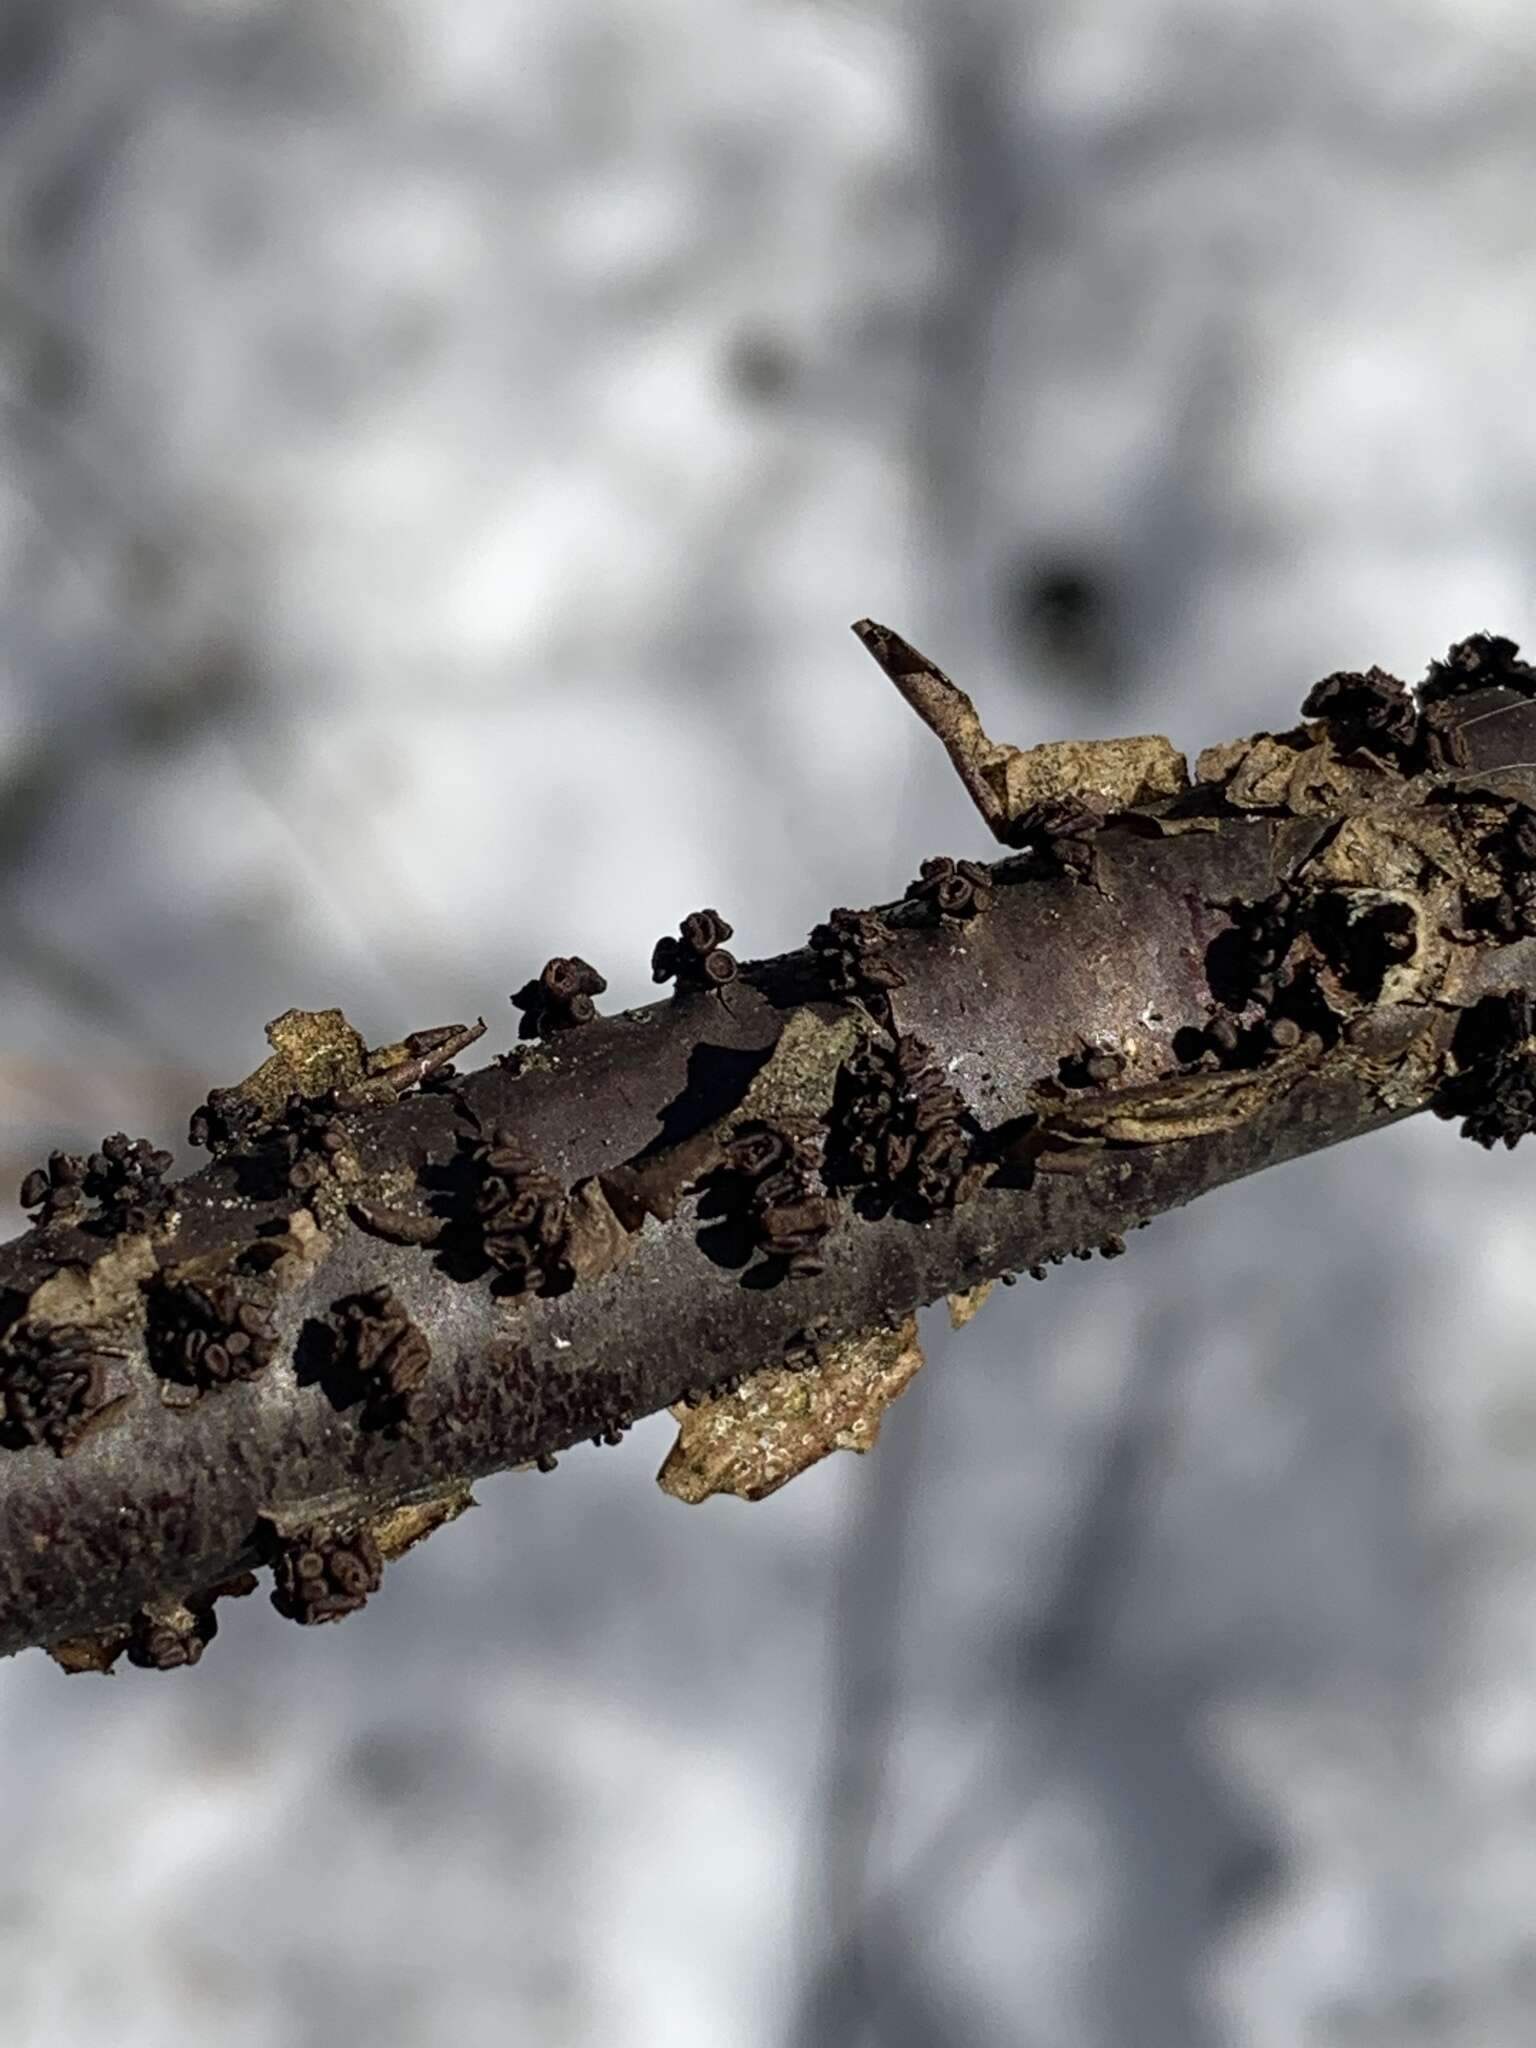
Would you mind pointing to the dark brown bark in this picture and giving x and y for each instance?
(302, 1355)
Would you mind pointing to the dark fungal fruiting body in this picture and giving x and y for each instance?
(202, 1334)
(291, 1151)
(170, 1635)
(1295, 968)
(56, 1192)
(1443, 739)
(124, 1178)
(1266, 999)
(1511, 913)
(174, 1638)
(773, 1182)
(302, 1141)
(1247, 964)
(696, 958)
(1091, 1066)
(852, 950)
(380, 1360)
(1417, 731)
(1372, 710)
(521, 1218)
(228, 1121)
(161, 1643)
(901, 1136)
(1060, 832)
(560, 998)
(1494, 1089)
(58, 1382)
(950, 888)
(319, 1577)
(1483, 661)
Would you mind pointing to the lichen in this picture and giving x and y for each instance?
(970, 1302)
(1301, 772)
(313, 1051)
(781, 1421)
(402, 1528)
(105, 1291)
(598, 1239)
(1117, 775)
(799, 1078)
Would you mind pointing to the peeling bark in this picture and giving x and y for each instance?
(391, 1279)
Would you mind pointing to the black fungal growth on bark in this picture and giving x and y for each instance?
(301, 1142)
(773, 1182)
(124, 1179)
(852, 950)
(696, 958)
(951, 888)
(57, 1383)
(1246, 965)
(319, 1577)
(175, 1639)
(521, 1219)
(1060, 832)
(1484, 661)
(1271, 993)
(1373, 710)
(228, 1121)
(559, 998)
(901, 1136)
(1091, 1066)
(56, 1191)
(379, 1360)
(202, 1334)
(292, 1150)
(1511, 914)
(1495, 1092)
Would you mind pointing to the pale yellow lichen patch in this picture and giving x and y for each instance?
(1300, 772)
(1177, 1107)
(800, 1074)
(1115, 775)
(401, 1529)
(1387, 849)
(106, 1291)
(779, 1423)
(963, 1306)
(598, 1240)
(289, 1256)
(1256, 772)
(312, 1051)
(90, 1653)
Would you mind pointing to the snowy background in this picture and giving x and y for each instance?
(442, 446)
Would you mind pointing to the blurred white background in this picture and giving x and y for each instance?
(442, 445)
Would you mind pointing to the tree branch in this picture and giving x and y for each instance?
(390, 1279)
